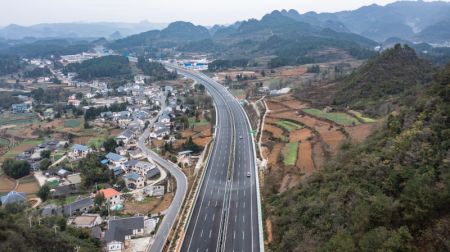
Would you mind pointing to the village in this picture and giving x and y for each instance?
(108, 185)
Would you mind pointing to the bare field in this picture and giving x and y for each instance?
(6, 184)
(275, 131)
(300, 135)
(28, 185)
(360, 132)
(304, 161)
(273, 157)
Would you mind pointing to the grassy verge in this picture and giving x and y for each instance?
(288, 125)
(337, 117)
(290, 153)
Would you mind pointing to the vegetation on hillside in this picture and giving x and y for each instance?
(46, 234)
(155, 70)
(378, 84)
(103, 67)
(9, 64)
(390, 193)
(37, 72)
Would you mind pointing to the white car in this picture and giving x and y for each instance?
(248, 174)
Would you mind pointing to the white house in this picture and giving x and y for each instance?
(116, 159)
(79, 151)
(112, 197)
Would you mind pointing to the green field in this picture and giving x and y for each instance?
(72, 123)
(202, 122)
(290, 153)
(337, 117)
(288, 125)
(360, 116)
(17, 119)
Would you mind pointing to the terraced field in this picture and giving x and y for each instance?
(304, 137)
(288, 125)
(337, 117)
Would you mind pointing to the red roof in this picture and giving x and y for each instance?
(109, 193)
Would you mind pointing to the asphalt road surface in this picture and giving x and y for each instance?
(181, 180)
(225, 214)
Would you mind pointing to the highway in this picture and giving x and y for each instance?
(171, 214)
(226, 214)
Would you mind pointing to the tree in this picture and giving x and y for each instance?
(110, 145)
(99, 199)
(45, 154)
(190, 145)
(44, 192)
(44, 164)
(16, 169)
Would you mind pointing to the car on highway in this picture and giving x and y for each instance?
(240, 137)
(248, 174)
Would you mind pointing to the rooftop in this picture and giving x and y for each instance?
(109, 192)
(119, 228)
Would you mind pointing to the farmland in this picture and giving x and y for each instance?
(337, 117)
(298, 139)
(288, 125)
(72, 123)
(290, 153)
(17, 119)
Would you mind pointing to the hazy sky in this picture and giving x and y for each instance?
(205, 12)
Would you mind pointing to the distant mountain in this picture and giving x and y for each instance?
(276, 34)
(177, 32)
(404, 19)
(436, 33)
(76, 30)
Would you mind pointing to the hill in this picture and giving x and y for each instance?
(390, 193)
(103, 67)
(291, 41)
(376, 86)
(175, 33)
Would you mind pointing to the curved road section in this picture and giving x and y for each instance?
(171, 214)
(226, 214)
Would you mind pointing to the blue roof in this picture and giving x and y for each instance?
(153, 172)
(104, 161)
(118, 170)
(80, 147)
(133, 176)
(13, 197)
(114, 157)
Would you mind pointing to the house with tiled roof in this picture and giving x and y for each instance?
(121, 230)
(134, 181)
(116, 159)
(112, 196)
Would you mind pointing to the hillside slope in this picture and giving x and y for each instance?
(390, 193)
(376, 86)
